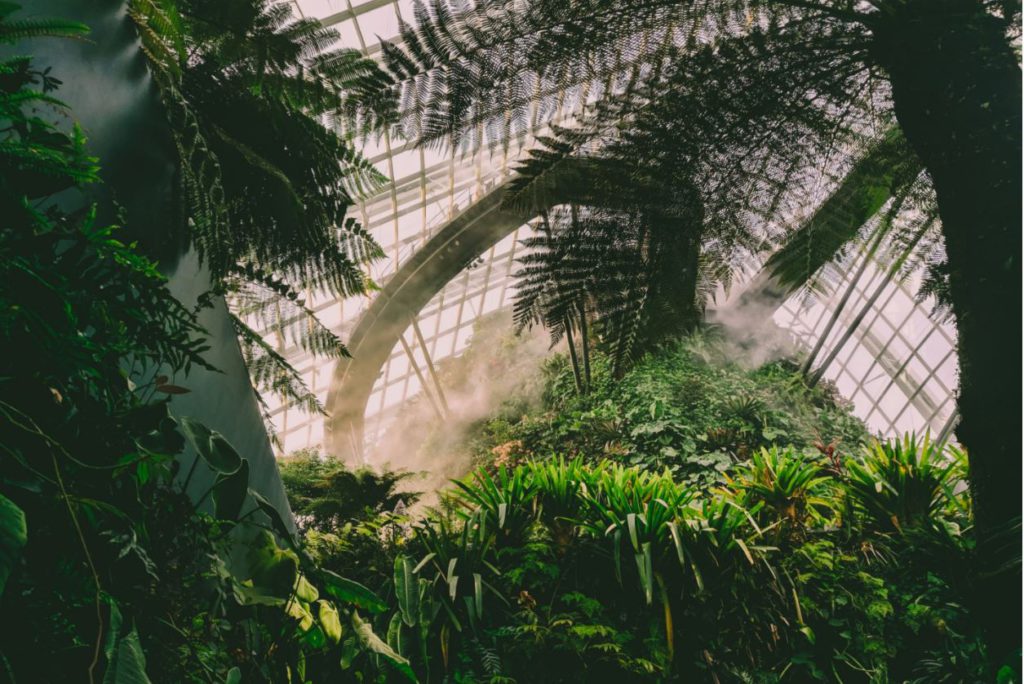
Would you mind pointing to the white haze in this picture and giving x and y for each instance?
(496, 367)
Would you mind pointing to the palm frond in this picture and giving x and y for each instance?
(887, 169)
(13, 31)
(280, 310)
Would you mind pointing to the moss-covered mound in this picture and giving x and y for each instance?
(692, 408)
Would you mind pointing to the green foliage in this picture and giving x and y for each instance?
(325, 494)
(249, 81)
(767, 104)
(904, 484)
(248, 88)
(788, 485)
(13, 536)
(632, 252)
(109, 571)
(556, 571)
(688, 407)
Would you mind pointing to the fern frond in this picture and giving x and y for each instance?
(271, 372)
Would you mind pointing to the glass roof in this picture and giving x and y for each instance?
(899, 367)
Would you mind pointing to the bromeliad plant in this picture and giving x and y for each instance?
(604, 513)
(791, 488)
(906, 483)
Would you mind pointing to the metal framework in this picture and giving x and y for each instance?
(898, 368)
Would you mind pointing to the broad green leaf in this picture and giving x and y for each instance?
(113, 632)
(426, 559)
(211, 447)
(329, 620)
(349, 650)
(406, 590)
(315, 637)
(247, 595)
(631, 525)
(297, 609)
(351, 592)
(13, 537)
(395, 635)
(128, 664)
(305, 591)
(234, 676)
(230, 491)
(276, 521)
(372, 642)
(273, 570)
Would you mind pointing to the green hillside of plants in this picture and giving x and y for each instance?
(693, 521)
(693, 408)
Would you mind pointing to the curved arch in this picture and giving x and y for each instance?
(463, 239)
(584, 180)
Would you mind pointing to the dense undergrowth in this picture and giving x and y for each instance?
(650, 551)
(108, 570)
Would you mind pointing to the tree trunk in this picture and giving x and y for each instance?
(956, 86)
(584, 343)
(572, 355)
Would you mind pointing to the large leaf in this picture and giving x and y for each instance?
(407, 590)
(373, 643)
(13, 537)
(329, 620)
(351, 592)
(273, 570)
(276, 520)
(211, 447)
(128, 663)
(230, 491)
(304, 591)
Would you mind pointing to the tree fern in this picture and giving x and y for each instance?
(250, 92)
(15, 30)
(271, 372)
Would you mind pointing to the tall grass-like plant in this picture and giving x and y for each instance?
(905, 483)
(740, 583)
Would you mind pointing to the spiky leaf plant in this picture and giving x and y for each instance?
(904, 484)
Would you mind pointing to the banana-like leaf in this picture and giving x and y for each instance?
(13, 537)
(372, 642)
(407, 590)
(352, 592)
(128, 663)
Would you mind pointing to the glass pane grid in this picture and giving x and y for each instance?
(898, 366)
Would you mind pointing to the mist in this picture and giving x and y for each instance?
(750, 336)
(499, 374)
